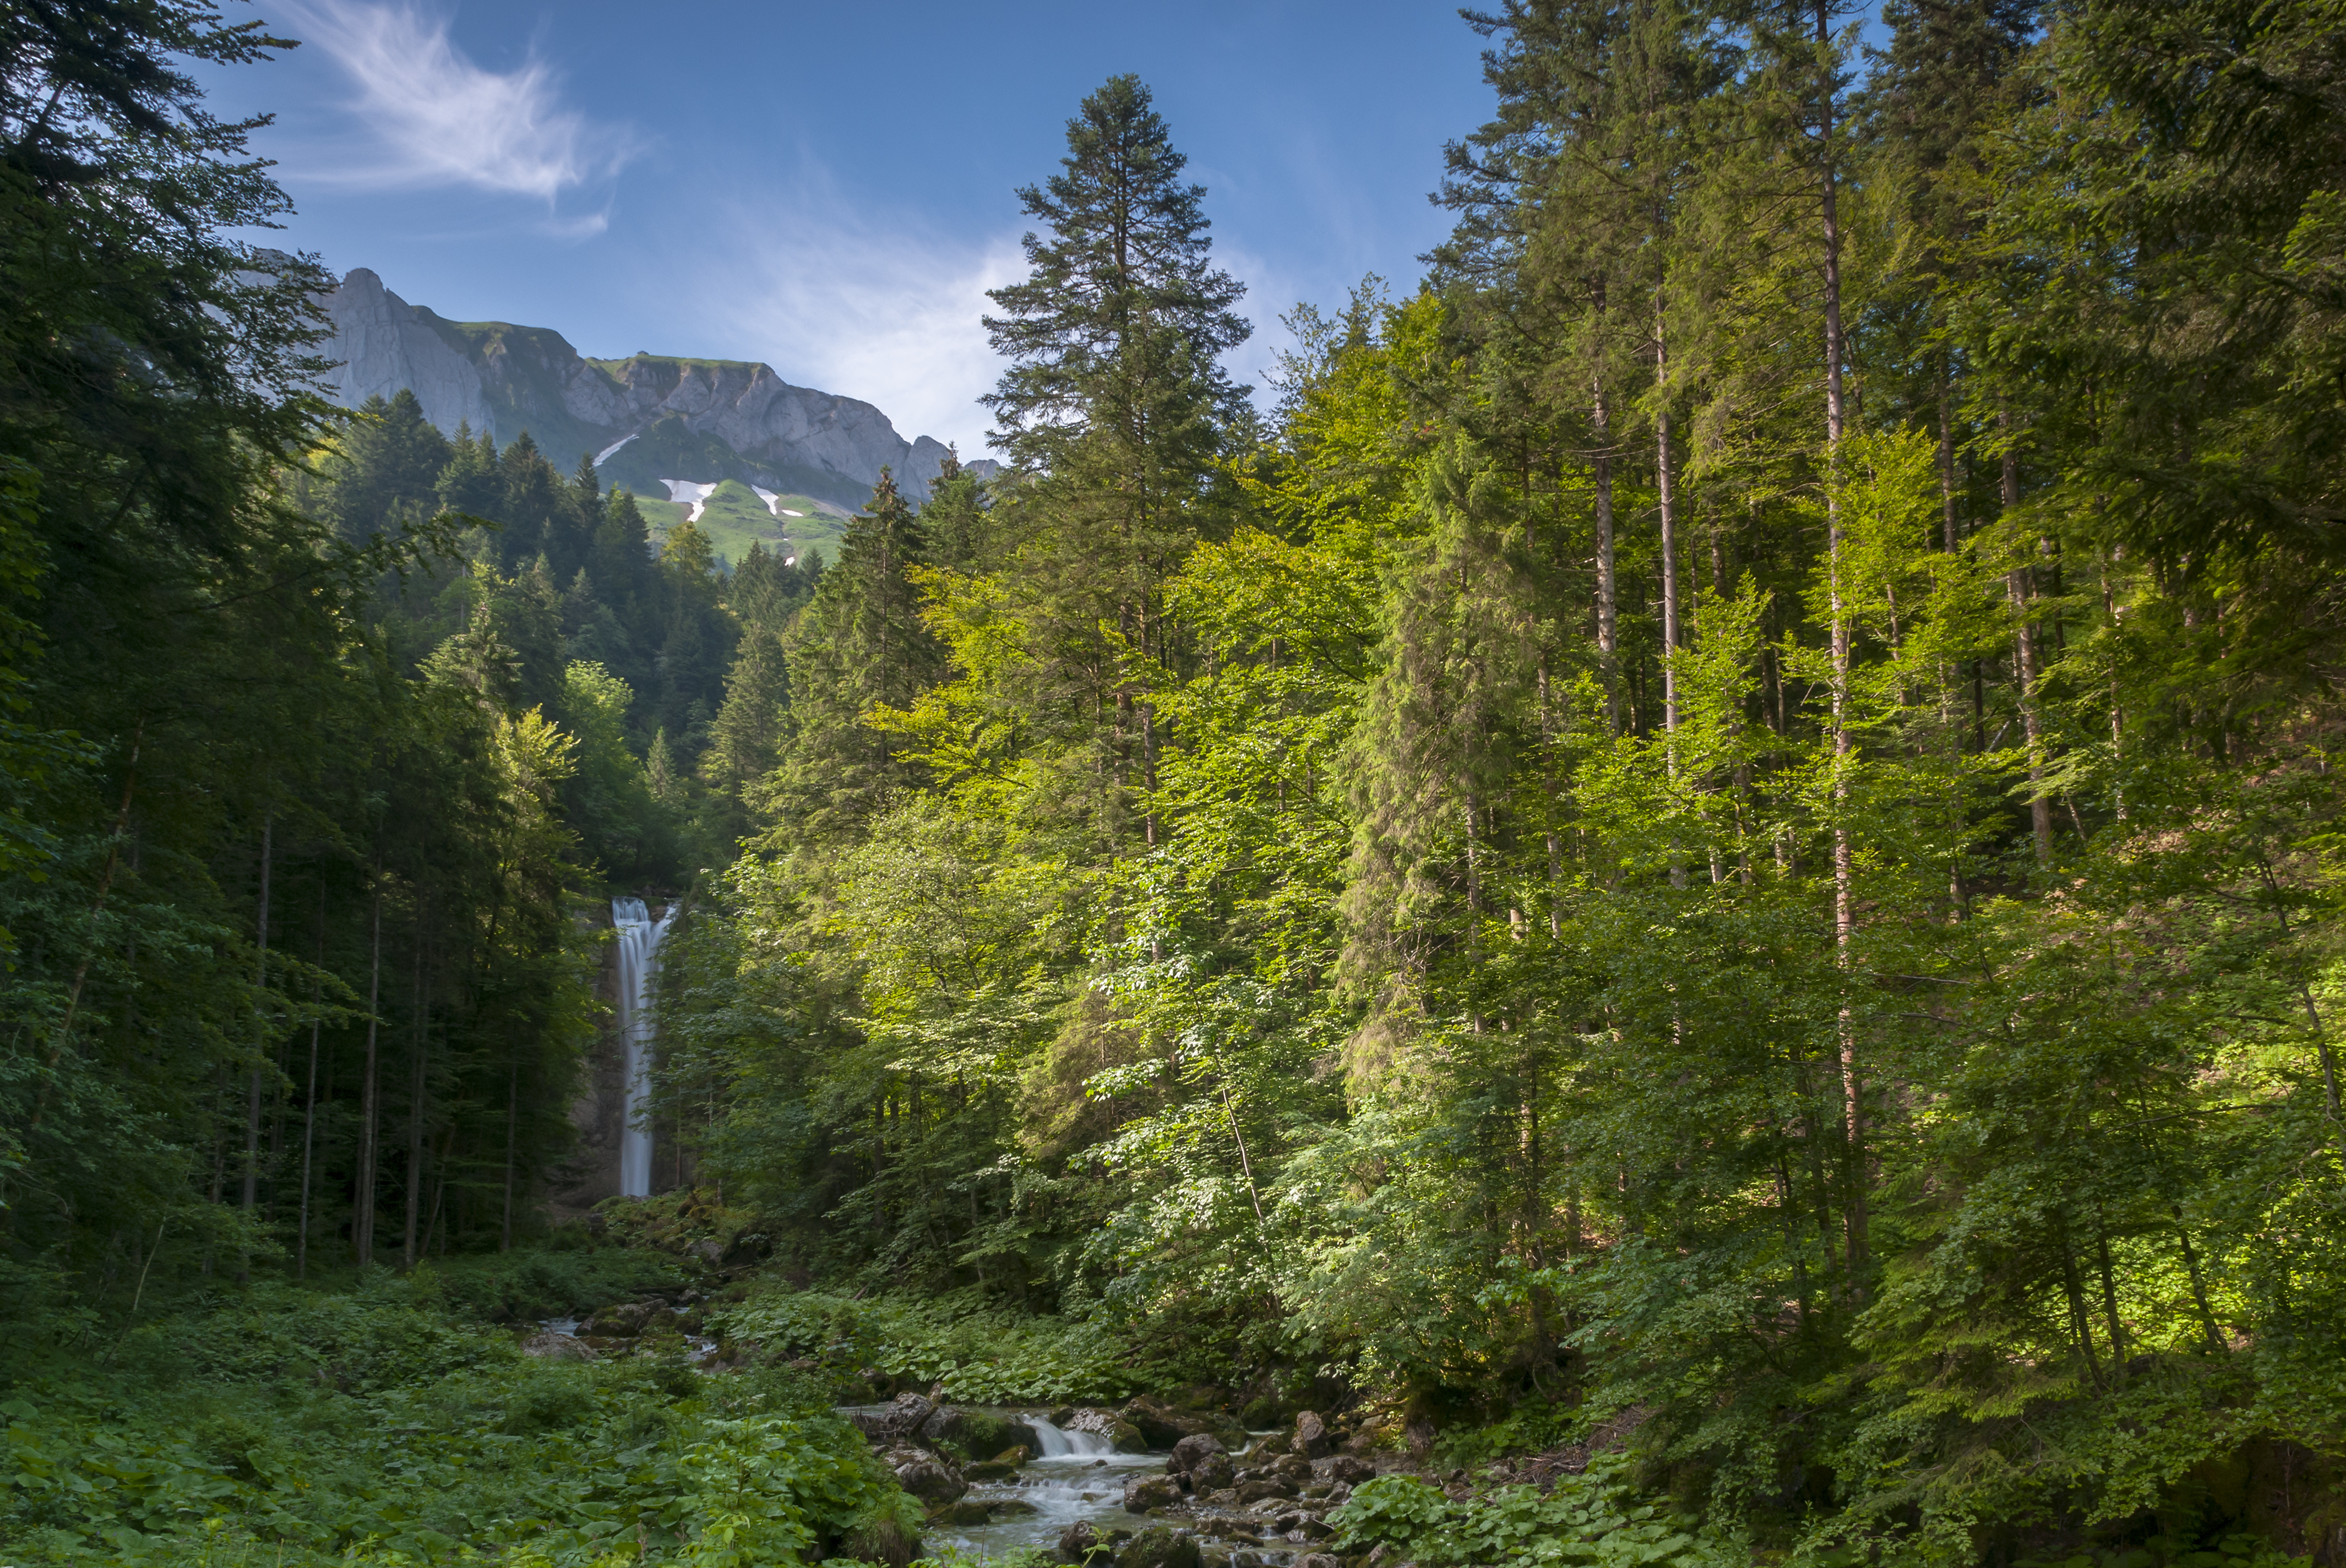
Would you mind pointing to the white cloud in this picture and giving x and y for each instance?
(890, 317)
(435, 119)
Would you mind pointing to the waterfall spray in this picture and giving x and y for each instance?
(640, 942)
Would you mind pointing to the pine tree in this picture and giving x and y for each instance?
(1115, 408)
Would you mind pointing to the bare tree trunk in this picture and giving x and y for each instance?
(1665, 481)
(2018, 592)
(1608, 628)
(310, 1103)
(418, 1088)
(1844, 857)
(362, 1197)
(1949, 534)
(513, 1127)
(260, 1023)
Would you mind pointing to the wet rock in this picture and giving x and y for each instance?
(1224, 1497)
(1293, 1469)
(624, 1321)
(1083, 1542)
(550, 1346)
(931, 1481)
(1164, 1425)
(1260, 1491)
(1312, 1436)
(1110, 1425)
(907, 1414)
(988, 1470)
(1159, 1546)
(1014, 1456)
(967, 1510)
(1014, 1508)
(1212, 1474)
(1060, 1418)
(1344, 1468)
(1189, 1450)
(1319, 1560)
(1144, 1492)
(974, 1434)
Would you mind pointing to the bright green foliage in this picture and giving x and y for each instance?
(305, 1429)
(981, 1355)
(1592, 1518)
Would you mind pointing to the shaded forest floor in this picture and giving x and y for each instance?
(395, 1419)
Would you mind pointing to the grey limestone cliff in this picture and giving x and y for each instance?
(382, 343)
(734, 419)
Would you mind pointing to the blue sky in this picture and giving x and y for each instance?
(828, 188)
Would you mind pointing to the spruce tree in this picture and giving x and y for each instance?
(1115, 409)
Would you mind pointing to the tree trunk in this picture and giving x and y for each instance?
(310, 1102)
(260, 1025)
(2018, 593)
(512, 1126)
(362, 1195)
(1667, 498)
(1608, 632)
(418, 1088)
(1845, 858)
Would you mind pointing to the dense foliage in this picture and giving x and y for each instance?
(1727, 818)
(387, 1427)
(318, 728)
(1716, 825)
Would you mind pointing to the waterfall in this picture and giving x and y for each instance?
(1057, 1444)
(640, 942)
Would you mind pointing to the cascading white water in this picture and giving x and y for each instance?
(639, 943)
(1057, 1443)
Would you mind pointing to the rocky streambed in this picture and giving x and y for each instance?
(1145, 1484)
(1142, 1486)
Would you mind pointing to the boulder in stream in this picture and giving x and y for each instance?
(549, 1346)
(1143, 1492)
(1080, 1542)
(906, 1415)
(1212, 1474)
(1125, 1437)
(1312, 1436)
(930, 1480)
(1191, 1450)
(1159, 1546)
(1165, 1425)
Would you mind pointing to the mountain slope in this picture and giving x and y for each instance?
(649, 418)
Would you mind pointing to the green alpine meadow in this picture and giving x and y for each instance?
(1680, 902)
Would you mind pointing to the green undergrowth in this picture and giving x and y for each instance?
(981, 1354)
(1601, 1520)
(1594, 1519)
(385, 1424)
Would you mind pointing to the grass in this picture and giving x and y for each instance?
(734, 519)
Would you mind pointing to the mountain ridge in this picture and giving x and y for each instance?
(646, 419)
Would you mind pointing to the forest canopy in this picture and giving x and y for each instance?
(1713, 821)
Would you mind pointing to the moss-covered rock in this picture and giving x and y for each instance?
(1159, 1546)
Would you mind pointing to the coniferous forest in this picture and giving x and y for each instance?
(1683, 902)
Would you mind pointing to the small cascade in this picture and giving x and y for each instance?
(639, 943)
(1057, 1444)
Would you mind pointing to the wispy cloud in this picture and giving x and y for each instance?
(891, 315)
(435, 119)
